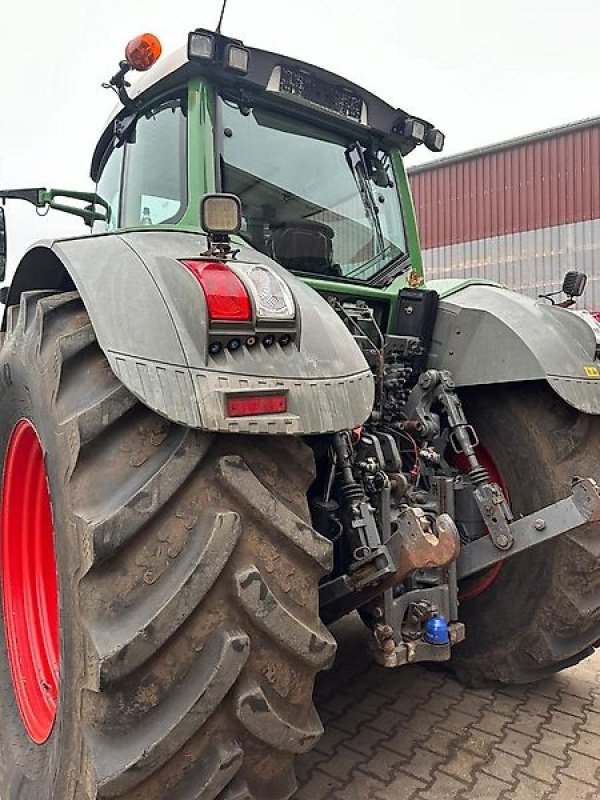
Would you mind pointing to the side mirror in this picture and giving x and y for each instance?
(2, 245)
(574, 283)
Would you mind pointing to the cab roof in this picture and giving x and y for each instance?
(272, 79)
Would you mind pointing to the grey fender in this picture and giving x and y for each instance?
(485, 335)
(150, 318)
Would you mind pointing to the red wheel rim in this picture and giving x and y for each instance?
(479, 584)
(29, 582)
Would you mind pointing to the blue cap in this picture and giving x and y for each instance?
(436, 631)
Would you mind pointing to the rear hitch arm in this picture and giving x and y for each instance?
(582, 507)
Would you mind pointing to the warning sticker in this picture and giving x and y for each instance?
(592, 372)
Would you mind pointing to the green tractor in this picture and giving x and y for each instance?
(236, 412)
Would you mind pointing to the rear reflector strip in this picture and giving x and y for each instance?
(250, 406)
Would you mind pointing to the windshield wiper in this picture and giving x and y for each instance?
(378, 256)
(360, 172)
(390, 271)
(396, 267)
(323, 276)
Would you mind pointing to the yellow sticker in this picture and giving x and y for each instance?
(592, 372)
(415, 280)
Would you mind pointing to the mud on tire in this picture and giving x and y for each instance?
(188, 575)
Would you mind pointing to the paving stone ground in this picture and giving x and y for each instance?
(417, 734)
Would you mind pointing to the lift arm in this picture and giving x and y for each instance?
(581, 507)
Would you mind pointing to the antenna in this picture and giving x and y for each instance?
(223, 7)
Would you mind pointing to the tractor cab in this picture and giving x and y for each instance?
(315, 160)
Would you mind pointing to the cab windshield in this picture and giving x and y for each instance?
(312, 201)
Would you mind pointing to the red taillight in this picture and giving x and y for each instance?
(250, 406)
(226, 296)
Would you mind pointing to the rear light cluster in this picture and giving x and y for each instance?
(236, 297)
(228, 297)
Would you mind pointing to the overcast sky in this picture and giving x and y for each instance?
(481, 71)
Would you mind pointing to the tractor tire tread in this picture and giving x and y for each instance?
(195, 687)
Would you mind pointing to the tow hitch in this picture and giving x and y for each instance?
(413, 625)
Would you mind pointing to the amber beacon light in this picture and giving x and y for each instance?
(143, 51)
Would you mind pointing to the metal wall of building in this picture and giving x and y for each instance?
(521, 213)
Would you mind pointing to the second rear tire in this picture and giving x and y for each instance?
(541, 614)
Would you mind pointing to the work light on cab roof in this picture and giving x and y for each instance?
(207, 46)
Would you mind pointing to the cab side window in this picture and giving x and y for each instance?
(109, 188)
(154, 190)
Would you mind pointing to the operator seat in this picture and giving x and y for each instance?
(305, 246)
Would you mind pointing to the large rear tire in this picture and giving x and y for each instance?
(542, 611)
(188, 588)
